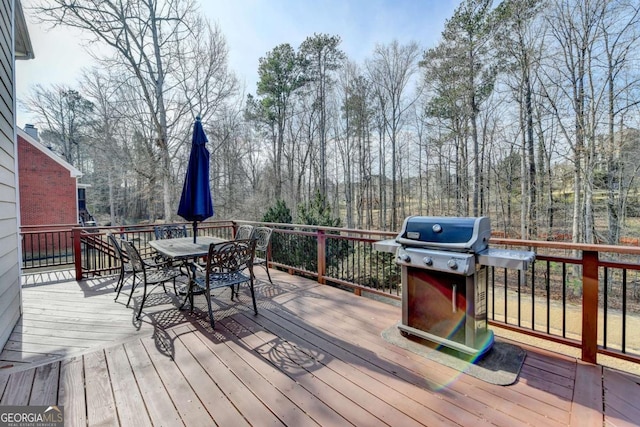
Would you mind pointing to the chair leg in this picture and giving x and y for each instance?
(266, 267)
(120, 280)
(190, 296)
(144, 298)
(253, 297)
(133, 288)
(208, 297)
(119, 285)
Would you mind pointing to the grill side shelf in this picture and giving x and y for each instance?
(390, 246)
(505, 258)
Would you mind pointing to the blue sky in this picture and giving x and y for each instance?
(254, 27)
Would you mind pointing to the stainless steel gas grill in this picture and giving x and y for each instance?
(444, 279)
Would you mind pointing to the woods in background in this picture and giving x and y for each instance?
(527, 111)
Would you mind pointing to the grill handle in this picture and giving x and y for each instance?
(454, 289)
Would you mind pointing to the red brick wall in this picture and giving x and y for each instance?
(47, 191)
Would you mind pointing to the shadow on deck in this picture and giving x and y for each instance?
(314, 355)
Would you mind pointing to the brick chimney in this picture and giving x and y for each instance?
(32, 131)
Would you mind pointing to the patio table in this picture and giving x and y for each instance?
(183, 249)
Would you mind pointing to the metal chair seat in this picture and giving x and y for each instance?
(161, 276)
(221, 280)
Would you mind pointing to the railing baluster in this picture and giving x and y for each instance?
(624, 311)
(533, 297)
(564, 300)
(605, 292)
(547, 284)
(519, 300)
(493, 293)
(506, 296)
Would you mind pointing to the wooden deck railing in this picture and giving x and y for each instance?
(601, 282)
(584, 296)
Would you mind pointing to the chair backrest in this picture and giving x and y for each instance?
(262, 235)
(244, 232)
(116, 246)
(134, 256)
(231, 256)
(169, 231)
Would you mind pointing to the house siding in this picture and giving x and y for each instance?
(10, 295)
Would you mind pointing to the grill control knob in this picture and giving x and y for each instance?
(405, 258)
(437, 228)
(427, 261)
(452, 264)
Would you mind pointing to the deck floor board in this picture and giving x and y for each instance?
(154, 396)
(250, 407)
(314, 355)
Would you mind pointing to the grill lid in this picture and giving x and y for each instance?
(446, 233)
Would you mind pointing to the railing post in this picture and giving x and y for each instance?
(589, 306)
(77, 251)
(322, 256)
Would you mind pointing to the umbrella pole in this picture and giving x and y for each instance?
(195, 230)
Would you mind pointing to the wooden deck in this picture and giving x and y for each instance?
(313, 356)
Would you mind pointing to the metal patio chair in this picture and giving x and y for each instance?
(169, 231)
(151, 275)
(244, 232)
(262, 236)
(225, 265)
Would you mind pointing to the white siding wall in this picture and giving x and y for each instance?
(10, 296)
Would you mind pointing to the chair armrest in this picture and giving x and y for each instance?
(155, 262)
(196, 267)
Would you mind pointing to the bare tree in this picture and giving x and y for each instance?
(520, 39)
(145, 36)
(102, 89)
(322, 57)
(204, 82)
(619, 29)
(390, 70)
(574, 26)
(344, 137)
(64, 117)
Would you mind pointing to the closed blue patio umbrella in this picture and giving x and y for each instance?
(195, 201)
